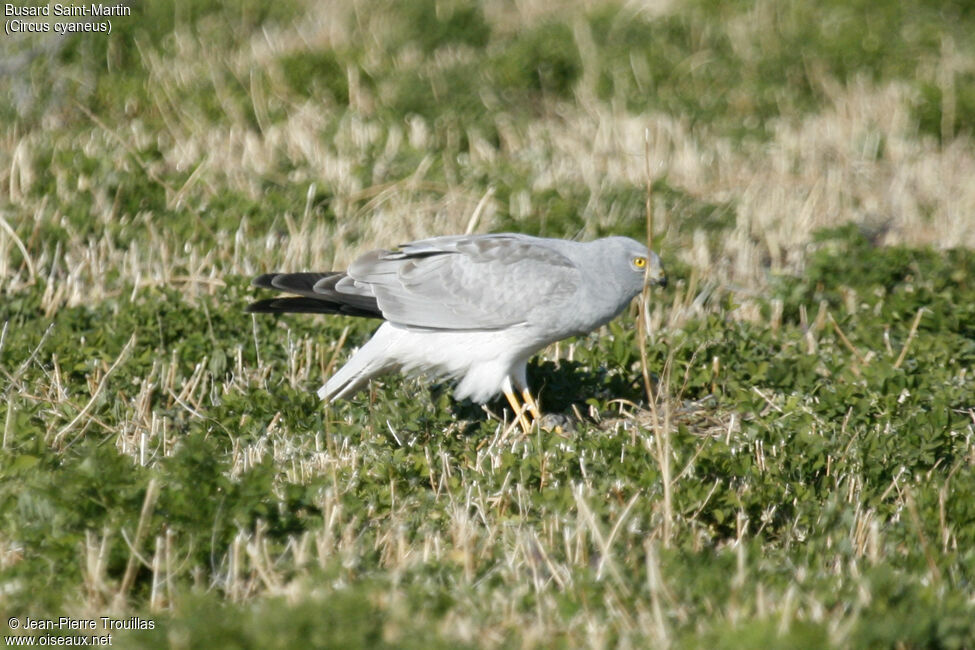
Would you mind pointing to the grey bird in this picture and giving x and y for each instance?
(470, 308)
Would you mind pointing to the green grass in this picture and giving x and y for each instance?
(800, 477)
(827, 447)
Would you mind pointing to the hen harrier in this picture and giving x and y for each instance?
(469, 308)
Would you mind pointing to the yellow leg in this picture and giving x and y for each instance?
(519, 411)
(532, 405)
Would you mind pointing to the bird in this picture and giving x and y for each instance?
(472, 309)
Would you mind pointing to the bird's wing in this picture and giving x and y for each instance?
(318, 296)
(477, 282)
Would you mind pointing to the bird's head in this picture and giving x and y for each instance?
(643, 262)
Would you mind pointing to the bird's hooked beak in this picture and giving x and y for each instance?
(655, 272)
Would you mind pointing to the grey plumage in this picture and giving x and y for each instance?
(473, 308)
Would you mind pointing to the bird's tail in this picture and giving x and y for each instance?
(369, 361)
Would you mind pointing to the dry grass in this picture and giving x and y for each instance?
(861, 160)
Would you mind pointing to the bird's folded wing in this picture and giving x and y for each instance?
(317, 296)
(465, 283)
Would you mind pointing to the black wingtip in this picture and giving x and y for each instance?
(264, 281)
(262, 307)
(301, 305)
(316, 295)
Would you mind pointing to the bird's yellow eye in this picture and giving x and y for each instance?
(640, 262)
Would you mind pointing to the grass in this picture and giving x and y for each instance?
(800, 476)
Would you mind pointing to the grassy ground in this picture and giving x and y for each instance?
(802, 476)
